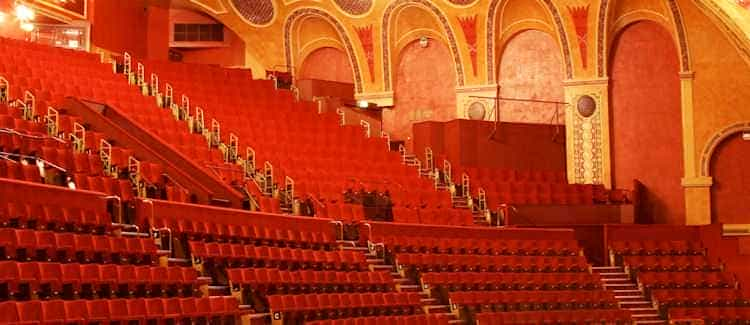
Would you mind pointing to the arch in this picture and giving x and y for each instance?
(309, 11)
(560, 29)
(730, 180)
(645, 119)
(326, 63)
(603, 33)
(710, 148)
(530, 66)
(450, 35)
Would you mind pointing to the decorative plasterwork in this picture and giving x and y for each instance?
(385, 36)
(365, 38)
(255, 12)
(354, 7)
(587, 142)
(469, 27)
(304, 12)
(462, 3)
(215, 7)
(491, 20)
(580, 17)
(716, 140)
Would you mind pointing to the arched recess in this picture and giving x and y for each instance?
(612, 18)
(531, 67)
(294, 53)
(645, 119)
(326, 63)
(505, 18)
(438, 17)
(424, 89)
(730, 192)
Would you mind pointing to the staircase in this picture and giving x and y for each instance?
(629, 295)
(401, 282)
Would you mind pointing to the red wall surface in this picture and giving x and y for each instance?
(730, 194)
(531, 67)
(425, 89)
(514, 145)
(329, 64)
(120, 26)
(646, 119)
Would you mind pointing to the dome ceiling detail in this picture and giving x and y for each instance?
(257, 12)
(356, 7)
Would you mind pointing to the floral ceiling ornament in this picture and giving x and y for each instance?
(580, 21)
(365, 38)
(256, 12)
(469, 26)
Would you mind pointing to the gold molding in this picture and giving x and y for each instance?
(476, 89)
(700, 181)
(586, 82)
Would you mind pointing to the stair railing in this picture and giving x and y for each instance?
(29, 106)
(268, 178)
(105, 153)
(4, 90)
(52, 121)
(366, 126)
(78, 137)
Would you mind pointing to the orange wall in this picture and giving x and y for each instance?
(157, 38)
(731, 190)
(327, 63)
(229, 56)
(646, 119)
(531, 67)
(424, 89)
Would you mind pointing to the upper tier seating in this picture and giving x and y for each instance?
(324, 159)
(470, 263)
(271, 280)
(487, 301)
(469, 281)
(710, 315)
(52, 74)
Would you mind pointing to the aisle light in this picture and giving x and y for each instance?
(27, 26)
(24, 13)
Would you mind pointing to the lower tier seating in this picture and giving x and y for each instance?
(499, 301)
(212, 309)
(331, 306)
(387, 320)
(616, 316)
(268, 280)
(473, 281)
(711, 315)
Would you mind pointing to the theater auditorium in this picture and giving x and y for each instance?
(374, 162)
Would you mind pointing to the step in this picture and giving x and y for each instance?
(621, 285)
(614, 274)
(346, 242)
(636, 304)
(638, 297)
(365, 249)
(428, 300)
(661, 321)
(402, 281)
(375, 261)
(612, 280)
(607, 268)
(456, 321)
(626, 291)
(395, 274)
(382, 267)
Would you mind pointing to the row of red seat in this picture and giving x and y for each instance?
(538, 194)
(381, 232)
(656, 247)
(26, 203)
(488, 175)
(423, 244)
(198, 221)
(483, 263)
(429, 319)
(434, 216)
(711, 314)
(615, 316)
(53, 277)
(686, 280)
(310, 280)
(116, 310)
(249, 255)
(671, 263)
(29, 244)
(342, 301)
(668, 298)
(533, 300)
(470, 281)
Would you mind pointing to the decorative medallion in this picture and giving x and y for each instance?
(476, 111)
(256, 12)
(586, 106)
(354, 7)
